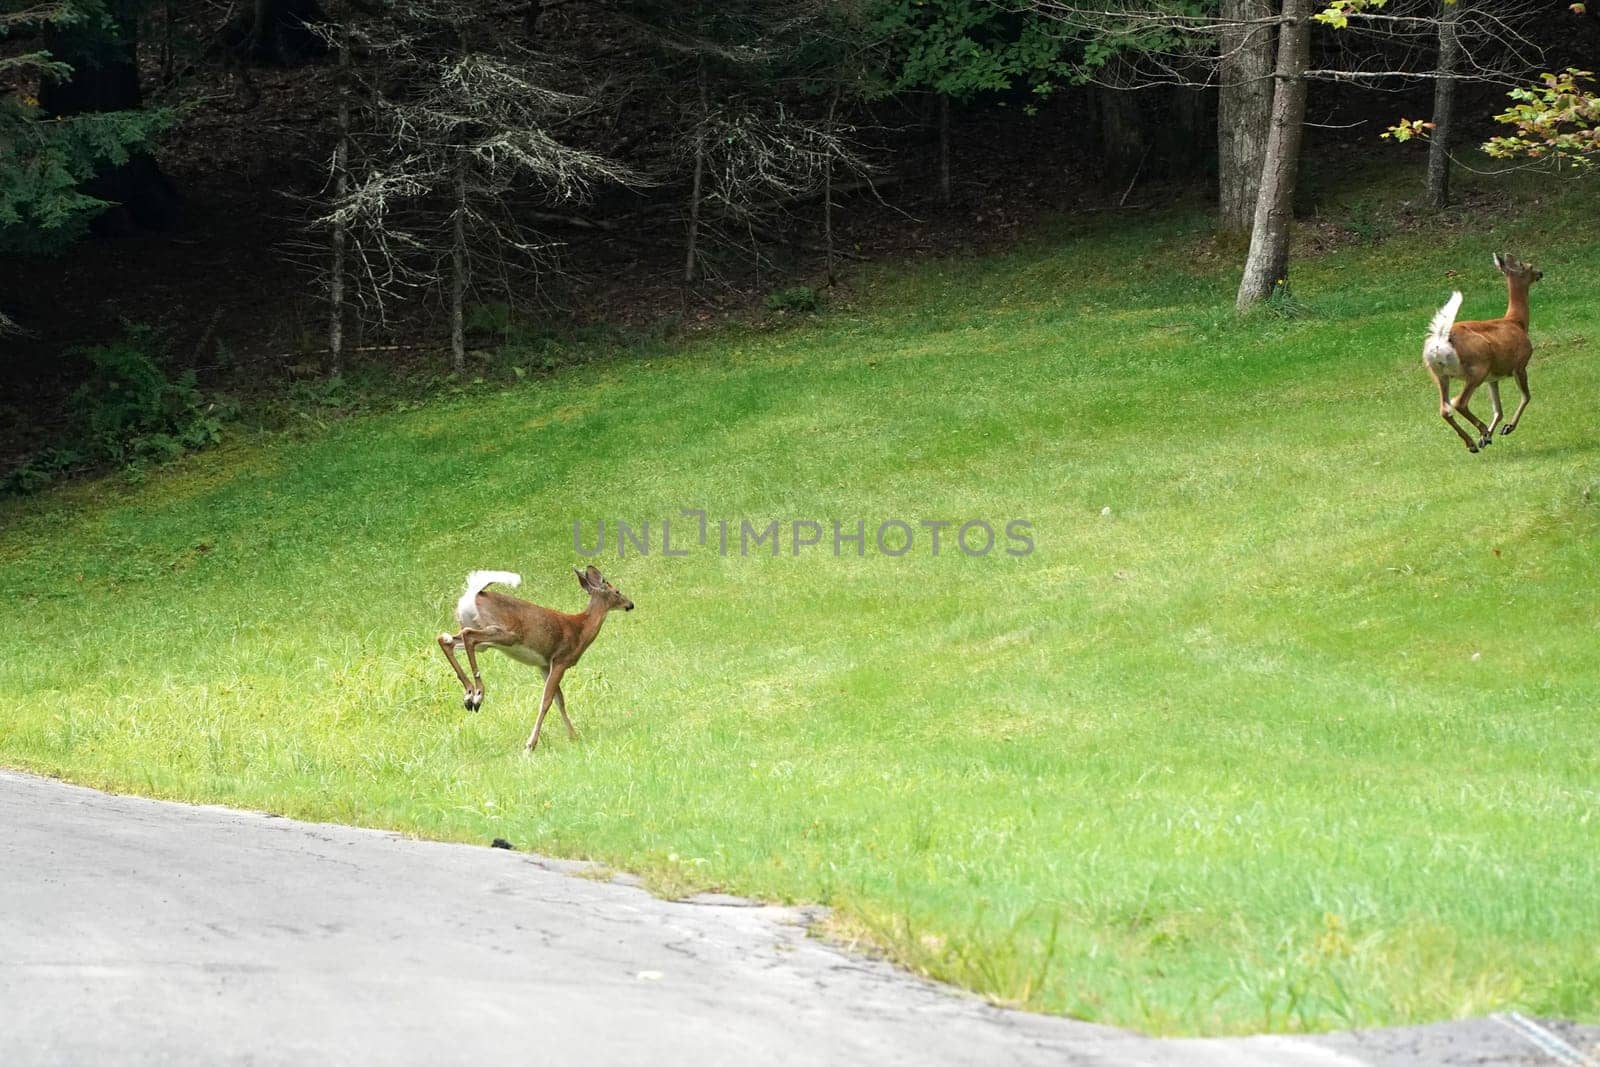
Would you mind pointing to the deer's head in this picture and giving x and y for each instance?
(591, 581)
(1522, 273)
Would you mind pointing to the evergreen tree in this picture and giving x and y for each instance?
(51, 153)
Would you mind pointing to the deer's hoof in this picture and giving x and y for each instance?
(1505, 430)
(1485, 441)
(1472, 448)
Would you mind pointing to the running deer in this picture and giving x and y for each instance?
(553, 641)
(1483, 351)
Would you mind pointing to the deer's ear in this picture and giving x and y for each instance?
(583, 582)
(593, 574)
(1499, 261)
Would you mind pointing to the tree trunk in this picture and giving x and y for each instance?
(341, 185)
(944, 147)
(690, 264)
(1444, 99)
(1268, 262)
(1244, 111)
(166, 44)
(458, 274)
(827, 189)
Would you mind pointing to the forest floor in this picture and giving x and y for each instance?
(1284, 724)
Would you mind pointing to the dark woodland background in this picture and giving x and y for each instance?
(192, 193)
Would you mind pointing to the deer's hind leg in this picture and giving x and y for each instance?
(1460, 404)
(471, 638)
(1448, 412)
(1499, 413)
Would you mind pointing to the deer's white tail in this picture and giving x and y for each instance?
(465, 610)
(1439, 329)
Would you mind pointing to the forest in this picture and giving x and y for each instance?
(206, 208)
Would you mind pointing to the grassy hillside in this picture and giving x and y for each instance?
(1300, 734)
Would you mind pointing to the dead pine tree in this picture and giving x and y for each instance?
(744, 149)
(827, 187)
(485, 132)
(341, 189)
(461, 208)
(692, 238)
(463, 132)
(763, 161)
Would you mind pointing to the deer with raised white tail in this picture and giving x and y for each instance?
(553, 641)
(1486, 350)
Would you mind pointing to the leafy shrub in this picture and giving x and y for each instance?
(40, 469)
(129, 413)
(1367, 223)
(795, 298)
(495, 319)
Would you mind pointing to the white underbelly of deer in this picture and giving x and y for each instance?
(523, 654)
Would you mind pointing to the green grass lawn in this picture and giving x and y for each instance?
(1301, 735)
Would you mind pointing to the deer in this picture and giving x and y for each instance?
(551, 640)
(1486, 350)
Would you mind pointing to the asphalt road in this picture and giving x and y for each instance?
(141, 932)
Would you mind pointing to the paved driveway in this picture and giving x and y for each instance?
(135, 931)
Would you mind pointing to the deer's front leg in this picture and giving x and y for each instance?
(1516, 416)
(1499, 413)
(552, 686)
(447, 644)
